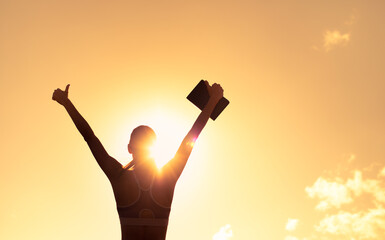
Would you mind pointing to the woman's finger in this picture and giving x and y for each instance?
(67, 87)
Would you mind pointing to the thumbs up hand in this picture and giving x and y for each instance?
(61, 96)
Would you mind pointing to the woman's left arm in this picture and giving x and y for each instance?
(176, 165)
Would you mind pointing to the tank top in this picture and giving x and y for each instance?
(145, 210)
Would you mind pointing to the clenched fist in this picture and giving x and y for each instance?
(61, 96)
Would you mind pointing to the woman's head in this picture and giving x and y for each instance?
(141, 141)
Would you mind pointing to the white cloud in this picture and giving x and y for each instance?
(370, 186)
(331, 193)
(362, 225)
(335, 38)
(224, 233)
(335, 192)
(356, 184)
(352, 208)
(291, 224)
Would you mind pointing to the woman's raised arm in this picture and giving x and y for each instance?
(109, 165)
(176, 165)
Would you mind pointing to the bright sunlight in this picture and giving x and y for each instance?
(170, 131)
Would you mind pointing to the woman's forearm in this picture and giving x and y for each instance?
(204, 116)
(80, 123)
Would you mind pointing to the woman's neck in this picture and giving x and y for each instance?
(145, 166)
(144, 175)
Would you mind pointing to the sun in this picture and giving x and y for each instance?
(162, 153)
(170, 128)
(170, 131)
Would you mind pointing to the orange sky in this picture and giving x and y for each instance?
(298, 153)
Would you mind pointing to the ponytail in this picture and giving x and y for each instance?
(130, 165)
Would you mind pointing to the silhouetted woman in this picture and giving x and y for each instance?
(143, 193)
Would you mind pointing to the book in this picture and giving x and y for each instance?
(199, 96)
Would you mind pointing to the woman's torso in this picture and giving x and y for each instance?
(143, 205)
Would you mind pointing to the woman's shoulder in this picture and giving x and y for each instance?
(126, 176)
(164, 179)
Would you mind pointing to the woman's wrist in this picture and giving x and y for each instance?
(215, 99)
(66, 102)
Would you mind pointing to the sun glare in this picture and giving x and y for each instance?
(170, 132)
(161, 154)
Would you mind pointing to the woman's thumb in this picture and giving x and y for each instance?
(67, 87)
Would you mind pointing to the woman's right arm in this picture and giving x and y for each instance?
(109, 165)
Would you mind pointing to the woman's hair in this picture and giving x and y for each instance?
(130, 165)
(142, 138)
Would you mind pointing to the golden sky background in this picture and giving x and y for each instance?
(297, 155)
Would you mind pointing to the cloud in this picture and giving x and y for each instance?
(365, 221)
(331, 193)
(224, 233)
(336, 192)
(372, 187)
(349, 208)
(335, 38)
(362, 225)
(291, 224)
